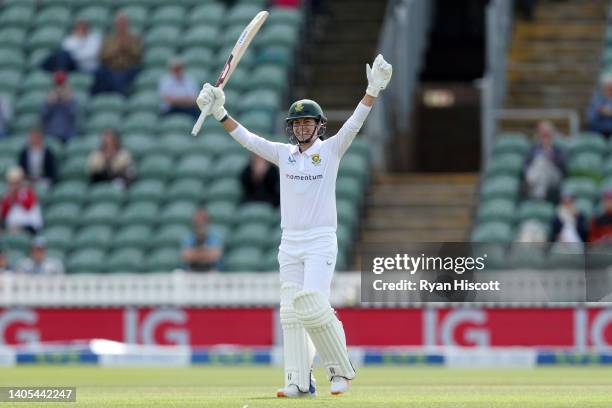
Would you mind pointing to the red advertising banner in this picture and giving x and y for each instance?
(496, 327)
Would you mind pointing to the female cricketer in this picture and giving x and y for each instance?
(307, 254)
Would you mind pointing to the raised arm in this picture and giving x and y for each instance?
(378, 76)
(256, 144)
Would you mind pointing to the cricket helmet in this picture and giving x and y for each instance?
(305, 109)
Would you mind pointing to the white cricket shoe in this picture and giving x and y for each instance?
(339, 385)
(292, 391)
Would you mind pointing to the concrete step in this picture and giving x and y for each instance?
(589, 31)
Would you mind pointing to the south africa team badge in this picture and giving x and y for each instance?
(316, 159)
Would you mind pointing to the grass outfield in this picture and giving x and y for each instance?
(237, 387)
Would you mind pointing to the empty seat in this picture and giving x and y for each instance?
(155, 167)
(146, 190)
(171, 15)
(59, 238)
(249, 234)
(163, 260)
(193, 166)
(256, 211)
(497, 210)
(69, 192)
(505, 164)
(207, 14)
(247, 259)
(133, 236)
(178, 212)
(500, 187)
(94, 236)
(62, 214)
(221, 212)
(228, 189)
(493, 232)
(542, 211)
(586, 164)
(187, 189)
(580, 187)
(100, 213)
(128, 260)
(140, 213)
(167, 36)
(106, 192)
(170, 235)
(88, 260)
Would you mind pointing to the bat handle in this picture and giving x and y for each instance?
(198, 125)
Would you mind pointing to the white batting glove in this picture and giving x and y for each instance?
(212, 98)
(378, 75)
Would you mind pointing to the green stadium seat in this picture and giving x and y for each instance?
(12, 37)
(133, 236)
(94, 236)
(173, 15)
(82, 146)
(88, 260)
(278, 34)
(36, 81)
(167, 36)
(497, 210)
(11, 146)
(278, 55)
(221, 212)
(53, 16)
(585, 206)
(106, 193)
(261, 100)
(158, 57)
(59, 238)
(207, 15)
(146, 190)
(69, 192)
(137, 14)
(170, 235)
(542, 211)
(144, 101)
(17, 16)
(141, 145)
(148, 79)
(493, 232)
(586, 164)
(285, 15)
(249, 235)
(215, 144)
(10, 79)
(74, 169)
(354, 165)
(45, 38)
(249, 259)
(163, 260)
(241, 14)
(230, 34)
(177, 212)
(256, 212)
(100, 121)
(198, 57)
(259, 3)
(500, 187)
(607, 167)
(80, 81)
(139, 213)
(155, 166)
(347, 213)
(187, 189)
(270, 77)
(227, 189)
(511, 142)
(98, 17)
(11, 59)
(194, 165)
(275, 237)
(349, 188)
(140, 122)
(201, 36)
(587, 142)
(505, 164)
(31, 102)
(220, 231)
(128, 260)
(581, 187)
(269, 261)
(176, 123)
(62, 214)
(176, 144)
(24, 122)
(361, 147)
(6, 163)
(18, 240)
(106, 103)
(100, 213)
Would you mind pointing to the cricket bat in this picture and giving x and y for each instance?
(232, 61)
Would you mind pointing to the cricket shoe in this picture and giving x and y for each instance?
(339, 385)
(292, 391)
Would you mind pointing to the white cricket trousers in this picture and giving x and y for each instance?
(309, 262)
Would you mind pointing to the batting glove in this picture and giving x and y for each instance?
(212, 99)
(378, 75)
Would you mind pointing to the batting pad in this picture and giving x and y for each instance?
(326, 332)
(298, 350)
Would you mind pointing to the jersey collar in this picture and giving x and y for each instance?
(316, 146)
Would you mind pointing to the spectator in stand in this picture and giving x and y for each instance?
(38, 263)
(6, 114)
(60, 112)
(260, 181)
(84, 46)
(599, 114)
(178, 90)
(570, 225)
(110, 162)
(601, 226)
(545, 165)
(202, 250)
(79, 51)
(38, 161)
(4, 263)
(120, 59)
(19, 208)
